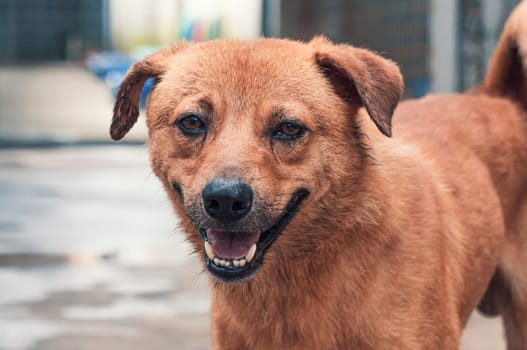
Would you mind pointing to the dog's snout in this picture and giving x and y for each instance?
(227, 200)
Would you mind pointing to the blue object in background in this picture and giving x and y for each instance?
(103, 63)
(111, 68)
(147, 89)
(418, 86)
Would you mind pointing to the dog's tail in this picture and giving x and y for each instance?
(507, 72)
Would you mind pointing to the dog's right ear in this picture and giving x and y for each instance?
(126, 109)
(361, 77)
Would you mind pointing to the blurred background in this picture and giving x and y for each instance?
(90, 253)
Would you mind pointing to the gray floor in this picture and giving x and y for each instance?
(90, 256)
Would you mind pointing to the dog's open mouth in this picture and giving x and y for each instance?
(237, 256)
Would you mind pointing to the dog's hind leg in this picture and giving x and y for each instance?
(515, 322)
(512, 296)
(504, 296)
(509, 284)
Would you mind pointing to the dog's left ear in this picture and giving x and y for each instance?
(126, 109)
(354, 72)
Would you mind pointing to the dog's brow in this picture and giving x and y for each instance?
(205, 105)
(280, 113)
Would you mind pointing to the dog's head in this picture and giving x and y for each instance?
(256, 141)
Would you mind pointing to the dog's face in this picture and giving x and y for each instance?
(255, 141)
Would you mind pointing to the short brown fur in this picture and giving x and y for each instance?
(399, 238)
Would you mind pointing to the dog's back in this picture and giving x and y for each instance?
(478, 143)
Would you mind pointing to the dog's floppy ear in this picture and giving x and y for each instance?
(355, 72)
(126, 109)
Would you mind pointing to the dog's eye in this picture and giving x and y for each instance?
(288, 131)
(191, 124)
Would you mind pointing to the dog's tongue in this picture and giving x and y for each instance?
(231, 245)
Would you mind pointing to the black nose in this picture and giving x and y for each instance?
(227, 200)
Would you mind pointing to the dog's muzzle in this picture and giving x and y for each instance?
(234, 256)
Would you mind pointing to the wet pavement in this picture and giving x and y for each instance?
(90, 257)
(90, 253)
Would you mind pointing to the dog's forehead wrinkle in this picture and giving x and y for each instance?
(245, 67)
(253, 79)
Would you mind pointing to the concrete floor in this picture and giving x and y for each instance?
(90, 257)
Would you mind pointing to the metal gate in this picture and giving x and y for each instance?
(44, 30)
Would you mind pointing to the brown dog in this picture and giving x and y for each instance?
(319, 231)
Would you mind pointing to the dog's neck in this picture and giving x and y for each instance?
(285, 289)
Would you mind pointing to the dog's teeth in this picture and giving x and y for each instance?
(250, 254)
(209, 251)
(226, 263)
(221, 262)
(239, 262)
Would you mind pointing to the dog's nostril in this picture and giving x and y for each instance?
(239, 206)
(213, 205)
